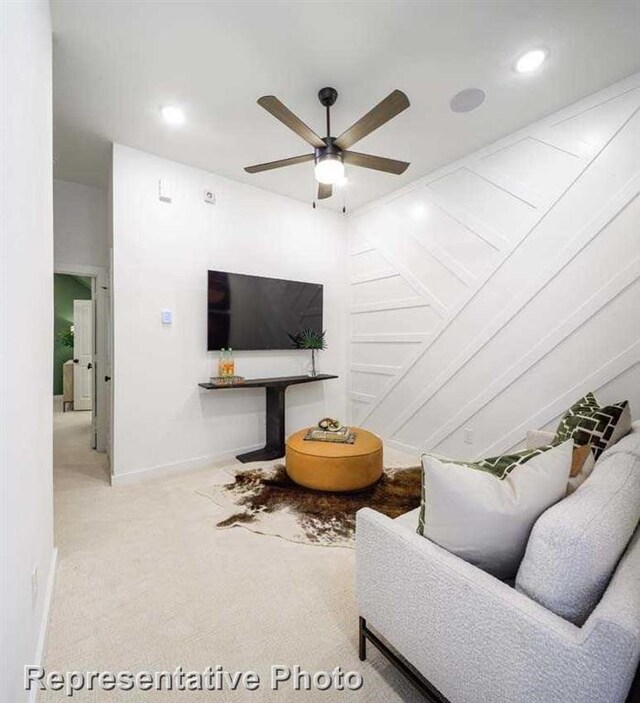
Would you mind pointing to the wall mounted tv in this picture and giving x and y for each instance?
(252, 312)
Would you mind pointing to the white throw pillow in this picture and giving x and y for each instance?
(537, 438)
(486, 520)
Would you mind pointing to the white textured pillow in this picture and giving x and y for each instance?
(575, 546)
(536, 438)
(486, 520)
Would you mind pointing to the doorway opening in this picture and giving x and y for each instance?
(73, 342)
(81, 372)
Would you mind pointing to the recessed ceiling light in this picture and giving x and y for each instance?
(172, 114)
(531, 61)
(467, 100)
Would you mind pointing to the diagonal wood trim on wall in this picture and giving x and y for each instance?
(473, 224)
(600, 299)
(628, 193)
(427, 394)
(623, 362)
(586, 157)
(402, 304)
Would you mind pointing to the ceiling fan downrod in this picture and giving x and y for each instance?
(327, 98)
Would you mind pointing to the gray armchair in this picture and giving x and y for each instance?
(474, 638)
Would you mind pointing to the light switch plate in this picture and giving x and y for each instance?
(164, 190)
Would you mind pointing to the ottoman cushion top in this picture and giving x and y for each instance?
(365, 443)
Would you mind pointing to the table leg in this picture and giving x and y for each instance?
(274, 448)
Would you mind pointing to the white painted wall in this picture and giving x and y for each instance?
(81, 236)
(26, 338)
(80, 222)
(161, 254)
(493, 293)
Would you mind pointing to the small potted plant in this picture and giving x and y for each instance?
(310, 339)
(66, 337)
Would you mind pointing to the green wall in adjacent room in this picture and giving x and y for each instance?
(66, 289)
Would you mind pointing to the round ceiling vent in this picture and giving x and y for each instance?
(467, 100)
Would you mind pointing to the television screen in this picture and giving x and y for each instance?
(252, 312)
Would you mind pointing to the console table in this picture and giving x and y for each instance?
(275, 390)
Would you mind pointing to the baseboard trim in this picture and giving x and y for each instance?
(44, 622)
(201, 462)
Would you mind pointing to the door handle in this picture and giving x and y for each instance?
(89, 365)
(107, 379)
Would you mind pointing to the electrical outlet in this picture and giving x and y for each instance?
(34, 586)
(468, 435)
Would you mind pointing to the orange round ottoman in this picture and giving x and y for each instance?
(333, 466)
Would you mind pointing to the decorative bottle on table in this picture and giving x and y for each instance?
(226, 364)
(222, 363)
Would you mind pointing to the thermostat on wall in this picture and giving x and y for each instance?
(164, 190)
(209, 196)
(166, 316)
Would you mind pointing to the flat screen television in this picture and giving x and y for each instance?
(252, 312)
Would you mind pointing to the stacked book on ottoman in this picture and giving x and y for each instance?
(329, 430)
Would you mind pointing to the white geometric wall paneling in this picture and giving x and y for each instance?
(473, 347)
(627, 360)
(572, 249)
(380, 286)
(556, 332)
(487, 241)
(619, 201)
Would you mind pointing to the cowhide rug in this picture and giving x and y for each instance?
(265, 500)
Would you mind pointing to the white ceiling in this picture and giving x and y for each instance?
(117, 63)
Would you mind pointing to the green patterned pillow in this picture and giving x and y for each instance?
(586, 422)
(498, 466)
(483, 511)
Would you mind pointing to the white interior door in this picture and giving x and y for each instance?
(82, 354)
(102, 363)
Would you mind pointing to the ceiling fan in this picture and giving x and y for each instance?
(330, 154)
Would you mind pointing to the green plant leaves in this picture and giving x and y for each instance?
(309, 339)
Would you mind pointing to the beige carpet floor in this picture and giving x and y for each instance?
(146, 582)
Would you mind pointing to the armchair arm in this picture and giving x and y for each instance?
(472, 636)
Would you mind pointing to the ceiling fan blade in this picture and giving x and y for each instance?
(391, 106)
(279, 164)
(324, 191)
(281, 112)
(378, 163)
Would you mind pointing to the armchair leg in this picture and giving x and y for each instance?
(362, 639)
(430, 692)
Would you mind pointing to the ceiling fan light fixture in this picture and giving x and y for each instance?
(329, 169)
(330, 154)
